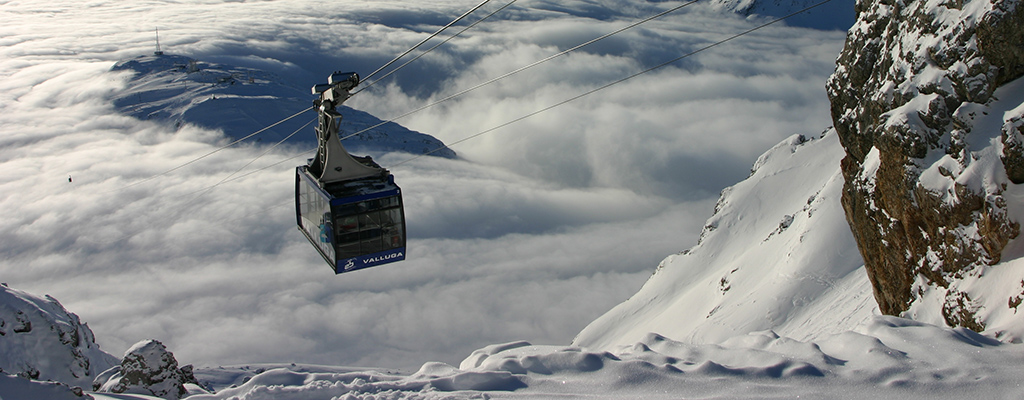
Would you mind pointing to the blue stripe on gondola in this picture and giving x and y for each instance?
(369, 260)
(355, 199)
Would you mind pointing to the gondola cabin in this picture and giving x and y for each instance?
(348, 207)
(354, 224)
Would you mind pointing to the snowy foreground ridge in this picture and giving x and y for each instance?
(886, 357)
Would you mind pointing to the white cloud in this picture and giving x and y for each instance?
(551, 222)
(726, 107)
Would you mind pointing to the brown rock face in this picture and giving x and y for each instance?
(909, 84)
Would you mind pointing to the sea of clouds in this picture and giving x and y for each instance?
(536, 230)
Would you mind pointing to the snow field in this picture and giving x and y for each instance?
(886, 357)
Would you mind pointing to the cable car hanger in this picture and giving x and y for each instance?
(349, 208)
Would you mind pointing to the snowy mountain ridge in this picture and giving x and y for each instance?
(883, 354)
(240, 101)
(777, 254)
(835, 14)
(39, 339)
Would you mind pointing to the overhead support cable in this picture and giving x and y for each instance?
(432, 48)
(659, 66)
(456, 20)
(258, 156)
(534, 64)
(656, 67)
(302, 154)
(180, 209)
(214, 151)
(592, 91)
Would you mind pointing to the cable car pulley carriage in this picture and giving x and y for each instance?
(348, 207)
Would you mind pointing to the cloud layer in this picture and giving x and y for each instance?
(540, 228)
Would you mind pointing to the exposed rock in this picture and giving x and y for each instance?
(910, 86)
(147, 368)
(1012, 158)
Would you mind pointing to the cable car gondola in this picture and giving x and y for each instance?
(348, 207)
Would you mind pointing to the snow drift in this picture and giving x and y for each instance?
(886, 356)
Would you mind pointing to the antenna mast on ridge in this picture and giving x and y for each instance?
(158, 52)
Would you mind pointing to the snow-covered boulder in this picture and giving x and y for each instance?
(41, 340)
(148, 368)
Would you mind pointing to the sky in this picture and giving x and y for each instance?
(539, 228)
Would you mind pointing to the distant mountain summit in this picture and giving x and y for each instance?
(239, 101)
(834, 15)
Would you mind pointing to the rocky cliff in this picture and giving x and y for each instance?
(926, 101)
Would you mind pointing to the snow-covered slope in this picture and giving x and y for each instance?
(240, 101)
(41, 340)
(777, 254)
